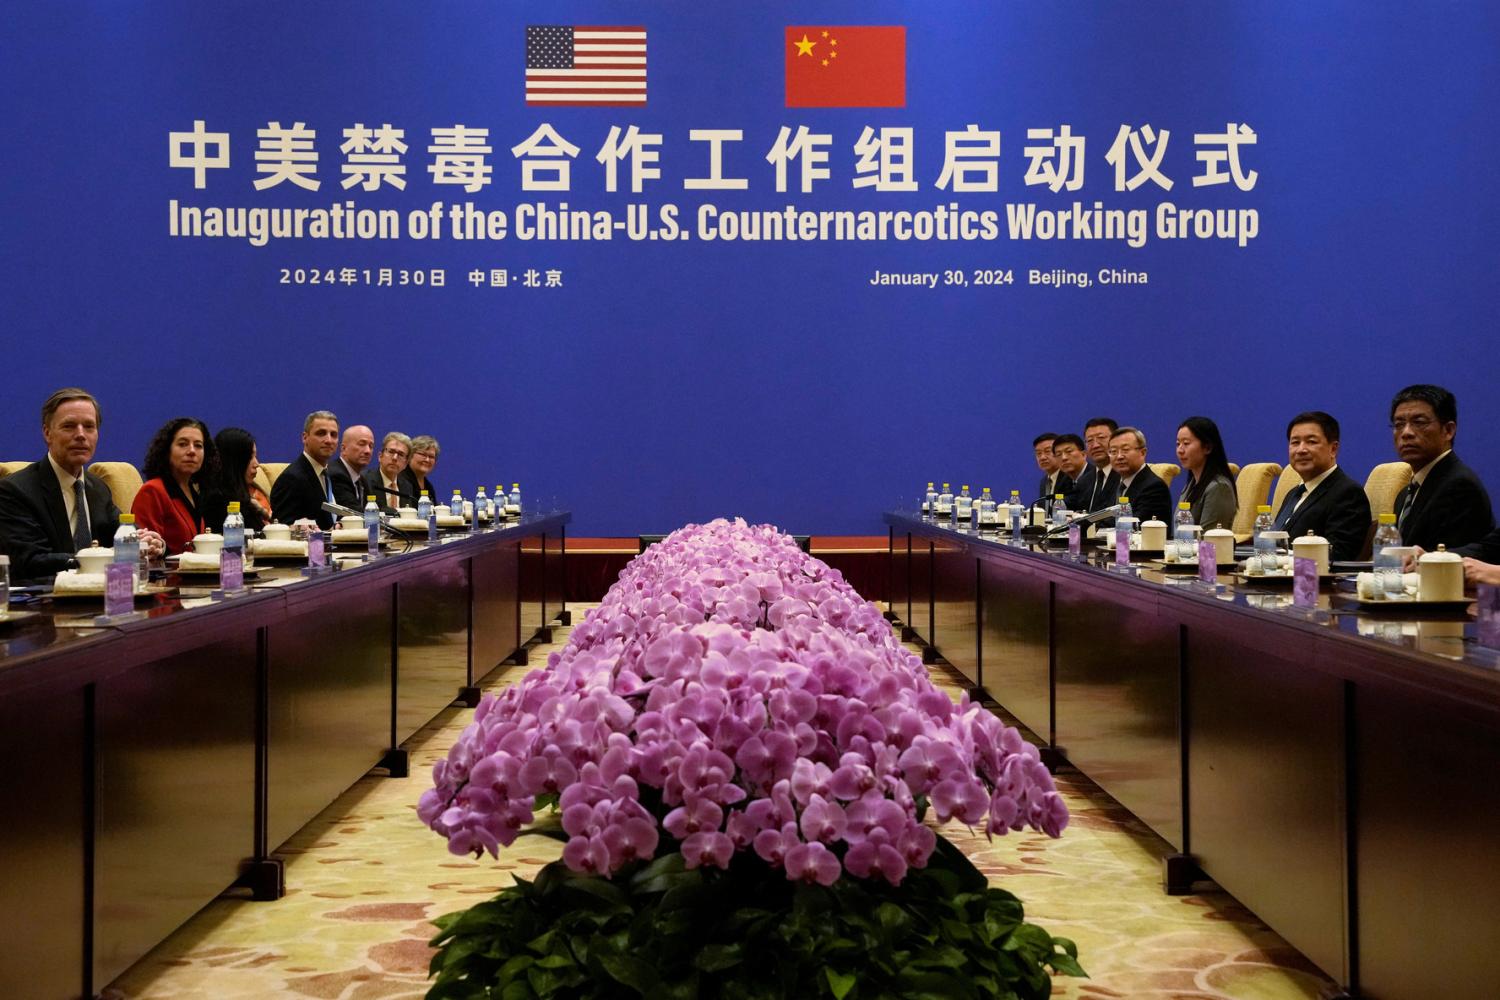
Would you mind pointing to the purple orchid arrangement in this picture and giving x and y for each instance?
(735, 694)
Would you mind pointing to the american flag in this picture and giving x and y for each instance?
(585, 65)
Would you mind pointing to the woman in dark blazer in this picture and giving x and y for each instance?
(180, 464)
(1210, 487)
(236, 482)
(415, 477)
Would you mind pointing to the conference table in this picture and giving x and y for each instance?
(1333, 767)
(151, 764)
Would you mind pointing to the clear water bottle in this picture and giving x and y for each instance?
(4, 584)
(929, 501)
(1185, 533)
(1387, 560)
(481, 505)
(963, 505)
(1017, 513)
(500, 502)
(513, 502)
(127, 545)
(424, 506)
(456, 503)
(372, 525)
(1125, 519)
(945, 502)
(1265, 545)
(234, 529)
(1059, 510)
(986, 510)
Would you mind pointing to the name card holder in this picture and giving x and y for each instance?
(119, 595)
(1075, 540)
(1488, 611)
(231, 575)
(317, 558)
(1304, 582)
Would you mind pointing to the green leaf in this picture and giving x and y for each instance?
(717, 957)
(630, 971)
(840, 983)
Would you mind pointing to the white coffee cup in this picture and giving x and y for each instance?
(406, 512)
(277, 532)
(208, 544)
(94, 559)
(351, 521)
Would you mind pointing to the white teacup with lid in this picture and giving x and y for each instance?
(1223, 540)
(277, 532)
(208, 544)
(94, 559)
(1314, 547)
(1153, 535)
(352, 522)
(409, 513)
(1440, 576)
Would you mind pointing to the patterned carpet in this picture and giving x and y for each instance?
(365, 878)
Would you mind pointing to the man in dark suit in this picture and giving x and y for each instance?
(1328, 502)
(1445, 502)
(1149, 497)
(1103, 485)
(52, 508)
(347, 471)
(1072, 464)
(1041, 446)
(303, 486)
(383, 480)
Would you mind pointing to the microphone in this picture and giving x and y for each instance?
(1102, 514)
(342, 511)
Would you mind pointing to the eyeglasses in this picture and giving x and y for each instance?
(425, 454)
(1122, 450)
(1417, 424)
(395, 452)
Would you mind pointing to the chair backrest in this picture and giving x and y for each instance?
(1234, 471)
(263, 480)
(1382, 485)
(6, 468)
(272, 470)
(123, 480)
(1166, 470)
(1251, 487)
(1284, 485)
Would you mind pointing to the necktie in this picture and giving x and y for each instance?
(1406, 507)
(81, 537)
(1289, 505)
(327, 486)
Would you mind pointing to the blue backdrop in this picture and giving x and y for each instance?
(669, 381)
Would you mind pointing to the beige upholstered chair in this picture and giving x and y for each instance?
(1383, 484)
(271, 470)
(1166, 470)
(263, 480)
(123, 480)
(1284, 485)
(1234, 471)
(1251, 487)
(6, 468)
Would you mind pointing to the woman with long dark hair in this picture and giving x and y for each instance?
(238, 463)
(1210, 486)
(181, 463)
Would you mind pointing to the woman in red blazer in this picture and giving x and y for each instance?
(179, 462)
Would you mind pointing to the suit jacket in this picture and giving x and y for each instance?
(373, 484)
(1045, 487)
(1149, 496)
(1451, 508)
(1108, 491)
(1338, 510)
(1487, 549)
(297, 494)
(155, 508)
(408, 483)
(1079, 489)
(34, 520)
(345, 491)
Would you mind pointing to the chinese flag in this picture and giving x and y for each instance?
(841, 66)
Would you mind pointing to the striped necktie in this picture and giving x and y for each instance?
(1406, 507)
(81, 537)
